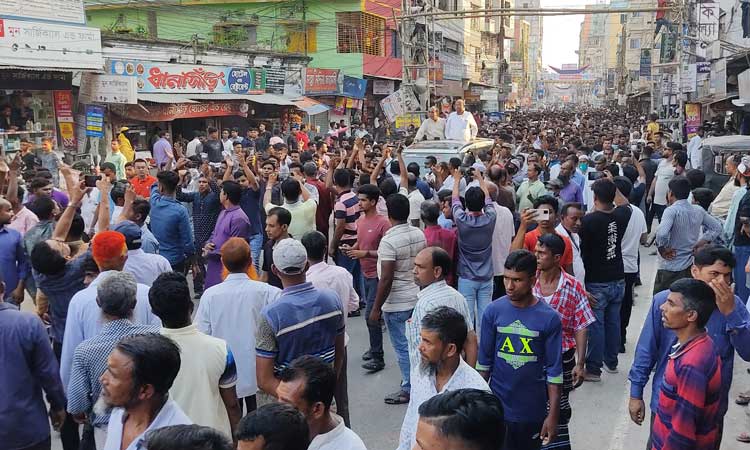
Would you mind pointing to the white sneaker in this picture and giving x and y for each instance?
(608, 370)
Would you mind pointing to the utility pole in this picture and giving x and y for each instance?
(304, 24)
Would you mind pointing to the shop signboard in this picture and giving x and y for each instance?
(68, 11)
(165, 78)
(96, 88)
(339, 109)
(94, 121)
(354, 87)
(688, 78)
(707, 20)
(63, 101)
(383, 87)
(167, 112)
(275, 80)
(692, 118)
(19, 79)
(645, 67)
(321, 81)
(38, 44)
(399, 103)
(406, 120)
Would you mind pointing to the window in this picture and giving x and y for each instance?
(451, 46)
(239, 35)
(296, 39)
(635, 75)
(636, 14)
(635, 43)
(448, 5)
(358, 32)
(395, 44)
(474, 24)
(506, 20)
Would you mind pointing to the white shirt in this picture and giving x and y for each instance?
(415, 207)
(228, 146)
(340, 438)
(502, 237)
(230, 310)
(461, 127)
(664, 174)
(694, 152)
(448, 184)
(631, 240)
(84, 320)
(579, 271)
(170, 414)
(146, 267)
(192, 147)
(423, 388)
(326, 276)
(431, 129)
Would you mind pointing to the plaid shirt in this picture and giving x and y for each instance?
(571, 304)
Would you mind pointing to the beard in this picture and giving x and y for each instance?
(426, 368)
(102, 406)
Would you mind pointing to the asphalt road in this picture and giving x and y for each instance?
(600, 415)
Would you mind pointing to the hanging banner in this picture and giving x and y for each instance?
(96, 88)
(354, 87)
(668, 44)
(645, 68)
(692, 118)
(399, 103)
(340, 108)
(168, 112)
(407, 120)
(94, 121)
(190, 79)
(383, 87)
(689, 77)
(321, 81)
(275, 80)
(63, 101)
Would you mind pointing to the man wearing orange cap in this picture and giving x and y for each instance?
(83, 321)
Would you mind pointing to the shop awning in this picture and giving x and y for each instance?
(310, 106)
(265, 99)
(165, 98)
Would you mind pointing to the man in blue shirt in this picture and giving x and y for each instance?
(729, 327)
(520, 353)
(29, 367)
(170, 222)
(13, 263)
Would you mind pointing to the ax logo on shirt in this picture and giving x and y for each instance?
(516, 345)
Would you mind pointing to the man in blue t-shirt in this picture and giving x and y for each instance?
(520, 353)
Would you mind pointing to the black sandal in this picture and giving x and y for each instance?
(398, 398)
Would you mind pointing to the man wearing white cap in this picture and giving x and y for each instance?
(303, 321)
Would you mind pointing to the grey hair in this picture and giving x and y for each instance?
(116, 294)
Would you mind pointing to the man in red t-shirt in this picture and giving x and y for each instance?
(437, 236)
(143, 180)
(528, 240)
(371, 228)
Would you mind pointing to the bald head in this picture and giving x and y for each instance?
(235, 255)
(431, 265)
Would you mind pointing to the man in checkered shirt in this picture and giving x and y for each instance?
(567, 296)
(116, 296)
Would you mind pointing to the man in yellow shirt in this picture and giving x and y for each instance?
(126, 148)
(652, 128)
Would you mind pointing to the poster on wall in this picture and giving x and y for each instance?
(63, 101)
(692, 118)
(399, 103)
(275, 80)
(383, 87)
(339, 108)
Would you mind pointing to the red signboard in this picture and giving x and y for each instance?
(321, 81)
(172, 111)
(63, 101)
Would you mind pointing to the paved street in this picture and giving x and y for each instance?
(600, 417)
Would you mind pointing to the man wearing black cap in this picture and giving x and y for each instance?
(145, 267)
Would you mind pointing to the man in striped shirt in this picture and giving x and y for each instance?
(303, 321)
(687, 416)
(346, 211)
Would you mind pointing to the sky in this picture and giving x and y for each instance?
(560, 40)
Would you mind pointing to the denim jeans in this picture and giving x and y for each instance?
(604, 334)
(352, 266)
(396, 323)
(256, 246)
(374, 330)
(742, 253)
(476, 293)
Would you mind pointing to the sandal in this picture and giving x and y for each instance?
(744, 437)
(743, 398)
(398, 398)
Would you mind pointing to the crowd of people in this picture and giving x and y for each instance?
(202, 300)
